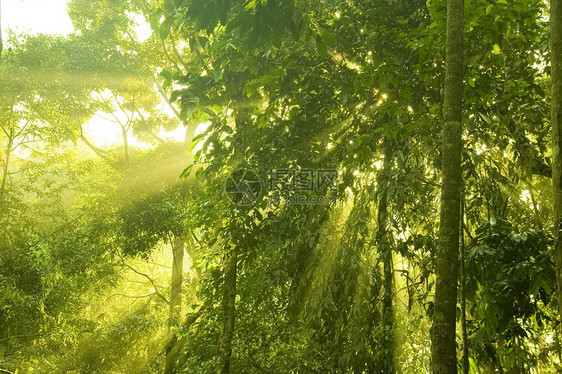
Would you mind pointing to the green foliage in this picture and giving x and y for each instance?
(511, 291)
(158, 217)
(281, 84)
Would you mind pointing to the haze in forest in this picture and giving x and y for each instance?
(281, 186)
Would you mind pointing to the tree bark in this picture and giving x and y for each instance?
(189, 127)
(1, 43)
(126, 143)
(231, 258)
(465, 361)
(177, 277)
(175, 301)
(556, 119)
(175, 346)
(5, 167)
(228, 310)
(443, 335)
(375, 366)
(384, 241)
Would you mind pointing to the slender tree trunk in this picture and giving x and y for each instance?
(383, 238)
(231, 259)
(1, 43)
(177, 277)
(465, 362)
(228, 310)
(175, 301)
(556, 66)
(189, 127)
(5, 168)
(126, 143)
(375, 365)
(558, 344)
(443, 335)
(175, 345)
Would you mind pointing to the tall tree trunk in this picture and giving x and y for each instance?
(126, 143)
(443, 336)
(5, 168)
(383, 239)
(175, 301)
(375, 365)
(556, 68)
(231, 257)
(177, 277)
(465, 361)
(175, 345)
(1, 43)
(228, 310)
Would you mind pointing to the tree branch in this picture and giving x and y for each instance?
(59, 229)
(167, 99)
(149, 279)
(133, 296)
(22, 336)
(98, 151)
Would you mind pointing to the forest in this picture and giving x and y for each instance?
(295, 187)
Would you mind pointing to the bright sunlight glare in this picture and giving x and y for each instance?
(36, 16)
(51, 17)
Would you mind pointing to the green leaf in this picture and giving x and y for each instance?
(208, 111)
(328, 37)
(165, 27)
(185, 173)
(165, 74)
(322, 49)
(177, 94)
(196, 139)
(250, 5)
(189, 111)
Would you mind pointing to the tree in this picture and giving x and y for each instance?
(296, 85)
(384, 239)
(443, 335)
(556, 120)
(1, 42)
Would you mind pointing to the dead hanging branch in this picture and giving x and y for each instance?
(98, 151)
(156, 291)
(132, 296)
(56, 231)
(22, 336)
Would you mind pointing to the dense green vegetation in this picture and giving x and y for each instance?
(361, 187)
